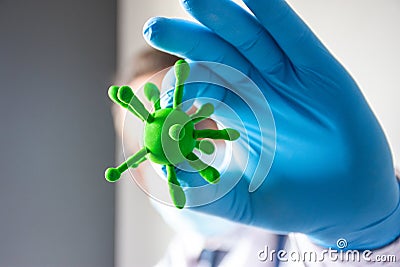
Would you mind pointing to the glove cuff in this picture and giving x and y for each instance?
(373, 236)
(380, 233)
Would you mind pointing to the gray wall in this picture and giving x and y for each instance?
(57, 58)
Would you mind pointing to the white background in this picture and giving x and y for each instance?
(363, 34)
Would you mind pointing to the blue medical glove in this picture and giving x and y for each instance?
(332, 173)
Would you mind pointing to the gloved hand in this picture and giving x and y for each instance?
(332, 173)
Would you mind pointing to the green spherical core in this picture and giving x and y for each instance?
(164, 148)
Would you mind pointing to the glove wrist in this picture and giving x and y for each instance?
(373, 236)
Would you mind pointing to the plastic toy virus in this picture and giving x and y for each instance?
(169, 134)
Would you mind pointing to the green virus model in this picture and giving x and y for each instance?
(170, 134)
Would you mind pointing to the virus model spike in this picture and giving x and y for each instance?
(152, 94)
(113, 94)
(169, 134)
(113, 174)
(224, 134)
(182, 71)
(210, 174)
(205, 146)
(175, 189)
(202, 113)
(126, 96)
